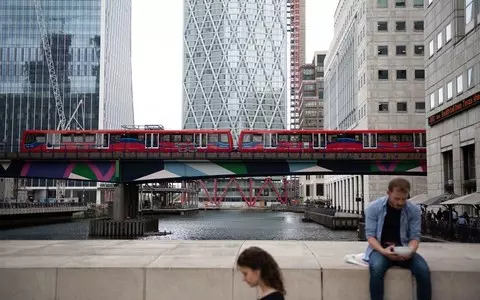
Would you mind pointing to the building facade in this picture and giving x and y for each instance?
(90, 46)
(235, 69)
(452, 63)
(297, 57)
(312, 187)
(235, 65)
(374, 79)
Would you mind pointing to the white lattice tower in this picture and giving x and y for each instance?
(235, 71)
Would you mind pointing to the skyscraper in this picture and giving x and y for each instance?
(235, 64)
(90, 50)
(374, 79)
(235, 67)
(297, 57)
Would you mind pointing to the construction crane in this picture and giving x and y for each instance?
(63, 124)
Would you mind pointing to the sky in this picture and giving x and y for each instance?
(157, 55)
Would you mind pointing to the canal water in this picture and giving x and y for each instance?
(206, 225)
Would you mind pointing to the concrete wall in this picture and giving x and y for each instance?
(112, 269)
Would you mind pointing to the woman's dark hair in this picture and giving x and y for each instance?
(256, 258)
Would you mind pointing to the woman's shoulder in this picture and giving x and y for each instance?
(274, 296)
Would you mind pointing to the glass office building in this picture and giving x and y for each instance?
(235, 64)
(91, 53)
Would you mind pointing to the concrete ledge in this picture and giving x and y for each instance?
(120, 269)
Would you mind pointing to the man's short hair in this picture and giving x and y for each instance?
(400, 184)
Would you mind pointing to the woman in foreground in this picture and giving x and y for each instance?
(260, 270)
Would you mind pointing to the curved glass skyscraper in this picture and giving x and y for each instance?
(235, 64)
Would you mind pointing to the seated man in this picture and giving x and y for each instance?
(393, 221)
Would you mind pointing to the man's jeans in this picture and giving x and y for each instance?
(379, 265)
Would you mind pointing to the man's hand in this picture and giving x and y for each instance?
(388, 252)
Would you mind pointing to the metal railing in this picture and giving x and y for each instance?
(21, 205)
(96, 152)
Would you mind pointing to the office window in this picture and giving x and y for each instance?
(382, 26)
(469, 162)
(470, 78)
(401, 106)
(448, 170)
(383, 107)
(448, 33)
(320, 189)
(399, 3)
(417, 3)
(401, 50)
(420, 107)
(419, 74)
(439, 40)
(400, 26)
(432, 101)
(401, 74)
(418, 25)
(430, 48)
(460, 84)
(419, 49)
(382, 50)
(383, 74)
(468, 11)
(382, 3)
(440, 96)
(449, 90)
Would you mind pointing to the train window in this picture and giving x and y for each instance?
(366, 140)
(332, 138)
(306, 137)
(212, 138)
(406, 138)
(394, 138)
(247, 138)
(78, 138)
(258, 138)
(90, 138)
(294, 138)
(66, 138)
(113, 138)
(224, 138)
(129, 136)
(383, 138)
(322, 140)
(187, 138)
(32, 138)
(283, 137)
(176, 138)
(166, 138)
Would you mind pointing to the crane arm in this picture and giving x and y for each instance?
(51, 67)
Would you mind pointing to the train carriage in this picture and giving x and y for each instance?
(332, 141)
(127, 141)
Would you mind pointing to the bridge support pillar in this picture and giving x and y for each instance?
(125, 203)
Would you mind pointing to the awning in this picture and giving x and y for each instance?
(419, 199)
(470, 199)
(438, 200)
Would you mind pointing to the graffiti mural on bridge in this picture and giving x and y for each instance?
(105, 171)
(154, 170)
(150, 171)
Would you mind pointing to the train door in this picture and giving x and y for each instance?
(419, 140)
(102, 140)
(53, 141)
(200, 140)
(319, 140)
(270, 140)
(151, 141)
(369, 141)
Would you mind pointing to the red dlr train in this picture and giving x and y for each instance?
(212, 141)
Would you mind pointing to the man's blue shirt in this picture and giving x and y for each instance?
(410, 222)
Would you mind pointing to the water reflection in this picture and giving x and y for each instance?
(206, 225)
